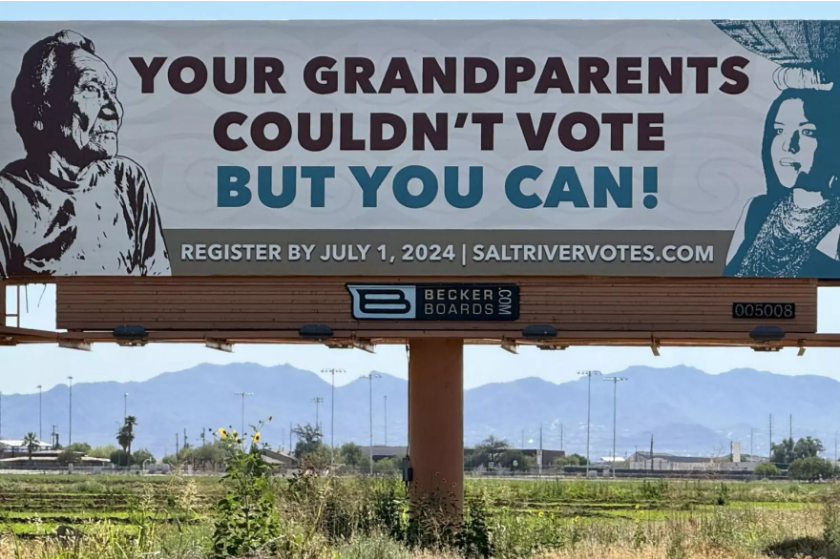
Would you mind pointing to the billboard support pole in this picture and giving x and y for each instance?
(2, 303)
(436, 424)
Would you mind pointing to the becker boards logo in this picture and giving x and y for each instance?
(435, 301)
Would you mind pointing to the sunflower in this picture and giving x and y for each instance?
(256, 438)
(223, 433)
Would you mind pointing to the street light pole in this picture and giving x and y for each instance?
(332, 371)
(615, 381)
(588, 412)
(70, 426)
(370, 377)
(243, 394)
(40, 416)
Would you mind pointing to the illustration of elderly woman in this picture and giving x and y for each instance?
(793, 229)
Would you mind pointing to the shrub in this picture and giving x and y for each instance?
(766, 469)
(121, 458)
(831, 523)
(68, 456)
(811, 469)
(102, 451)
(141, 456)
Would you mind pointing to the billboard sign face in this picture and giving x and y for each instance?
(655, 148)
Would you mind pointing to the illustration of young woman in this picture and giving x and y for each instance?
(793, 229)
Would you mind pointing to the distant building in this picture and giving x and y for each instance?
(49, 461)
(383, 452)
(278, 458)
(10, 448)
(663, 462)
(548, 455)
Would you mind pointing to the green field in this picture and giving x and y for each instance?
(130, 517)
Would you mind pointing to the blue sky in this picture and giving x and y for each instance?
(23, 368)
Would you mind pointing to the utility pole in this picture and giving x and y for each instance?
(370, 377)
(614, 381)
(588, 411)
(318, 401)
(651, 452)
(291, 432)
(385, 408)
(770, 449)
(243, 395)
(332, 372)
(186, 445)
(40, 416)
(70, 427)
(177, 446)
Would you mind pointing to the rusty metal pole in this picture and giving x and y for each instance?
(436, 424)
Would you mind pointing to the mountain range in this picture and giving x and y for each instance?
(683, 409)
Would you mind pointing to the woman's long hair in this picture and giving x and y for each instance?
(823, 109)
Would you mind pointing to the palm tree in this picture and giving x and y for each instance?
(125, 436)
(130, 422)
(31, 442)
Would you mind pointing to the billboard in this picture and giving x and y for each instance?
(384, 148)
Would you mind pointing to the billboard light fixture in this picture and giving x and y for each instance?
(315, 331)
(130, 333)
(539, 332)
(767, 334)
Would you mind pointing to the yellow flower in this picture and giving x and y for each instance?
(234, 434)
(223, 433)
(256, 438)
(540, 514)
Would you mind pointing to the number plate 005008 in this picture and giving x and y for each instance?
(774, 311)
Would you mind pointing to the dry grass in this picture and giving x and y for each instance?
(727, 534)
